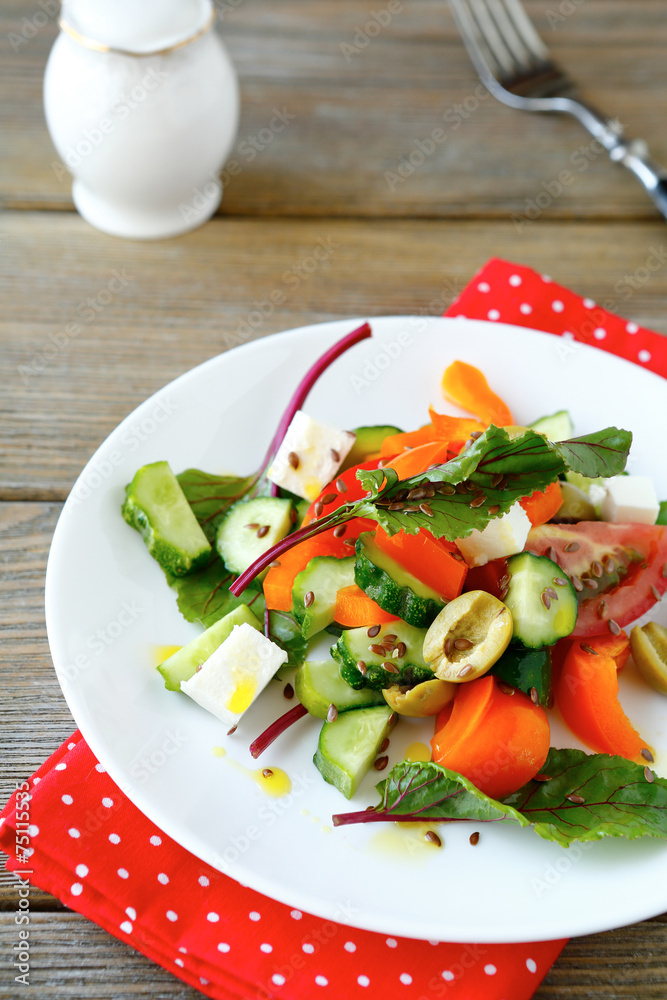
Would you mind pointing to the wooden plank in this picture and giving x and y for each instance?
(179, 302)
(71, 957)
(360, 112)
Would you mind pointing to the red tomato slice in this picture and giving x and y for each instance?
(620, 568)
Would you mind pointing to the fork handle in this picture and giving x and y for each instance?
(634, 155)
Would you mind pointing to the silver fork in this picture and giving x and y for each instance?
(515, 65)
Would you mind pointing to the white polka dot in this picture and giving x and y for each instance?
(203, 880)
(405, 978)
(67, 799)
(28, 852)
(126, 926)
(531, 965)
(171, 915)
(589, 303)
(546, 278)
(493, 314)
(101, 768)
(363, 980)
(391, 942)
(204, 982)
(131, 912)
(599, 333)
(525, 309)
(179, 961)
(73, 832)
(644, 355)
(296, 914)
(107, 802)
(350, 946)
(81, 870)
(266, 948)
(114, 838)
(183, 950)
(155, 840)
(490, 969)
(62, 766)
(308, 948)
(557, 306)
(223, 946)
(515, 280)
(212, 917)
(321, 980)
(434, 943)
(484, 286)
(631, 327)
(448, 975)
(123, 873)
(254, 915)
(33, 830)
(70, 746)
(163, 879)
(36, 780)
(76, 889)
(278, 979)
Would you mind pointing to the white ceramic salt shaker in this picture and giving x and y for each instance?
(142, 105)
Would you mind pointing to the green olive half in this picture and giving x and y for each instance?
(423, 699)
(468, 636)
(649, 651)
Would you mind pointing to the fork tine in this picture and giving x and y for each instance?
(484, 61)
(510, 36)
(491, 37)
(527, 31)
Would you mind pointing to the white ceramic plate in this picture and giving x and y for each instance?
(107, 603)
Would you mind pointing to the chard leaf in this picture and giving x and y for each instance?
(204, 596)
(211, 496)
(619, 801)
(603, 453)
(284, 630)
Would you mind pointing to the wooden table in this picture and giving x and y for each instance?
(359, 104)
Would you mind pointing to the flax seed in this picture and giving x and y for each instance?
(351, 542)
(416, 494)
(614, 627)
(494, 508)
(596, 569)
(361, 667)
(288, 691)
(572, 547)
(649, 775)
(602, 609)
(542, 777)
(332, 713)
(447, 489)
(474, 839)
(577, 584)
(534, 696)
(551, 593)
(647, 755)
(308, 599)
(546, 600)
(478, 501)
(390, 637)
(340, 486)
(496, 479)
(401, 650)
(432, 838)
(552, 554)
(252, 526)
(588, 649)
(589, 583)
(317, 509)
(293, 459)
(426, 509)
(328, 498)
(378, 650)
(381, 763)
(609, 566)
(577, 799)
(339, 530)
(372, 631)
(461, 488)
(656, 593)
(267, 773)
(230, 732)
(390, 667)
(275, 564)
(264, 530)
(559, 581)
(334, 454)
(396, 505)
(505, 688)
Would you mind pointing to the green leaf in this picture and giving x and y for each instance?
(211, 496)
(618, 800)
(285, 630)
(204, 596)
(603, 453)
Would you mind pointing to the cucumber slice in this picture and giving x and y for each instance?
(238, 540)
(323, 578)
(367, 442)
(348, 746)
(539, 618)
(354, 646)
(318, 685)
(157, 507)
(526, 670)
(183, 664)
(557, 427)
(395, 589)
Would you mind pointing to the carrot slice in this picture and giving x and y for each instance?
(411, 463)
(616, 646)
(279, 580)
(397, 443)
(466, 386)
(448, 428)
(587, 696)
(497, 741)
(355, 608)
(542, 505)
(431, 560)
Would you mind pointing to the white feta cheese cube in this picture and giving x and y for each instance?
(630, 499)
(503, 536)
(240, 668)
(317, 452)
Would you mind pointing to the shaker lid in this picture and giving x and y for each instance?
(138, 27)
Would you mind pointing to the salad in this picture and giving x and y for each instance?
(470, 571)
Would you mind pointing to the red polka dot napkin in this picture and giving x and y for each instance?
(71, 831)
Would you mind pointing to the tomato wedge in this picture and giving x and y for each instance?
(618, 570)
